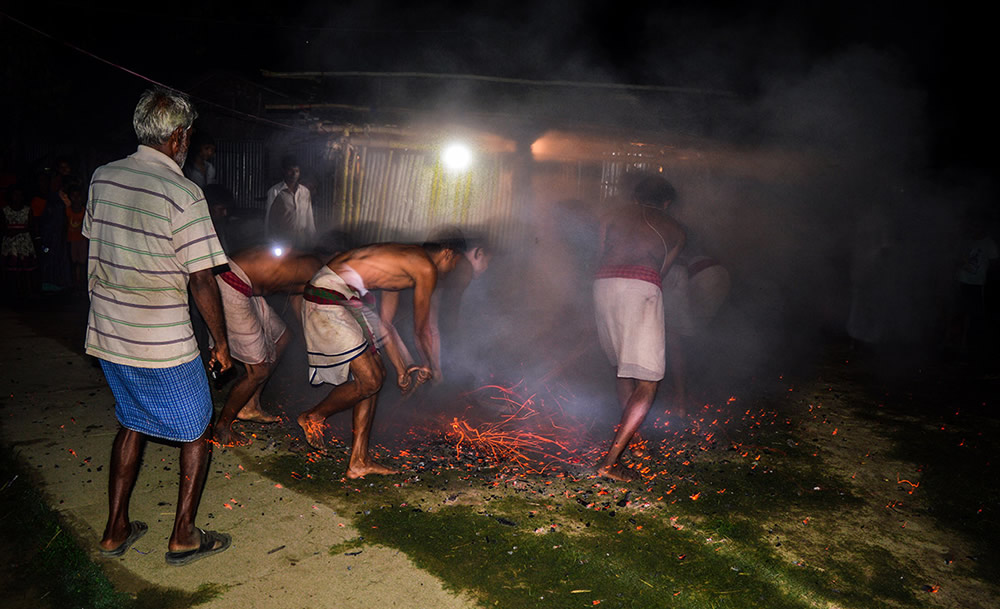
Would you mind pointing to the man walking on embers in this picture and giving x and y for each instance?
(343, 334)
(637, 245)
(150, 238)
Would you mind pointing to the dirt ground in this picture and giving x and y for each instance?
(58, 415)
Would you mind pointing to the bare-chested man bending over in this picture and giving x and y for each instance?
(637, 245)
(343, 333)
(257, 333)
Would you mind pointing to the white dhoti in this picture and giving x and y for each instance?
(338, 327)
(252, 326)
(629, 316)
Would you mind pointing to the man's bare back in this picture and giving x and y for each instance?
(273, 274)
(639, 235)
(387, 266)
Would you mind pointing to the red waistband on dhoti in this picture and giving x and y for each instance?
(629, 271)
(324, 296)
(236, 283)
(701, 265)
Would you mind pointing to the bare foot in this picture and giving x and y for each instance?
(227, 436)
(616, 472)
(313, 430)
(637, 447)
(256, 415)
(363, 469)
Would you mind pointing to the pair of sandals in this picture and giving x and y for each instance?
(212, 542)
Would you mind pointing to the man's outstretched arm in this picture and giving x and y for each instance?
(425, 280)
(395, 349)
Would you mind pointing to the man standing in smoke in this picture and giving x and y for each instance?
(636, 247)
(288, 215)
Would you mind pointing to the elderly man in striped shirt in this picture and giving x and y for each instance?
(151, 238)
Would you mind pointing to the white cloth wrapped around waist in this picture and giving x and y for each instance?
(252, 326)
(630, 328)
(338, 327)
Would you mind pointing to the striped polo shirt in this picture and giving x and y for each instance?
(149, 229)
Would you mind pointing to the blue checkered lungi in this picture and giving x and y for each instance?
(170, 403)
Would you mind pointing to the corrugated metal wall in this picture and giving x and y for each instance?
(241, 167)
(614, 170)
(387, 193)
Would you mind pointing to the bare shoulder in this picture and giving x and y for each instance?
(418, 260)
(401, 255)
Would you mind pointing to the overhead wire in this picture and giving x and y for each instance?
(122, 68)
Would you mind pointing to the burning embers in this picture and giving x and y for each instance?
(509, 431)
(527, 435)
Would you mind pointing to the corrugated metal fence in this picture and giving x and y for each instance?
(241, 166)
(388, 193)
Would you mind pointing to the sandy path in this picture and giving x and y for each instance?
(58, 413)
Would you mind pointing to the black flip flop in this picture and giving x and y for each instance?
(137, 529)
(212, 542)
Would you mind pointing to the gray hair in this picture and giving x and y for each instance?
(159, 113)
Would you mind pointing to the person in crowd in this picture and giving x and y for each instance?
(257, 334)
(151, 240)
(220, 202)
(40, 193)
(18, 248)
(343, 334)
(637, 245)
(199, 168)
(288, 215)
(63, 168)
(54, 251)
(76, 243)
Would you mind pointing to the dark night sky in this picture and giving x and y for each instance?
(739, 47)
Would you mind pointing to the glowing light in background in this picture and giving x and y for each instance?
(456, 157)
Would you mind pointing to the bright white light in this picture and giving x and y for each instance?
(278, 251)
(457, 157)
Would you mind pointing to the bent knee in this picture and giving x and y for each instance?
(369, 384)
